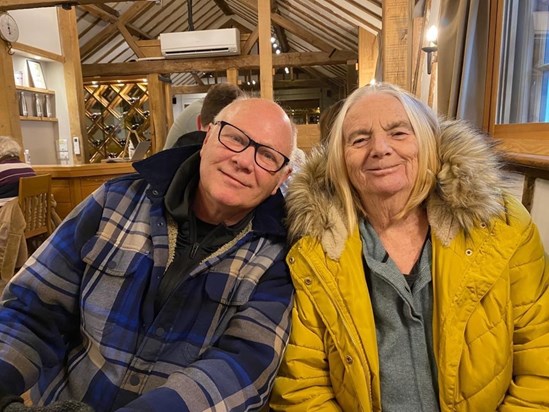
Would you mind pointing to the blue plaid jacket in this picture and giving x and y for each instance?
(78, 320)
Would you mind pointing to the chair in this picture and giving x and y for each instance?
(35, 202)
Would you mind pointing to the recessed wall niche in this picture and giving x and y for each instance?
(117, 118)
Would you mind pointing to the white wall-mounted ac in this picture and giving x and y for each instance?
(200, 43)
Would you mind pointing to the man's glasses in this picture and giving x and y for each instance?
(237, 141)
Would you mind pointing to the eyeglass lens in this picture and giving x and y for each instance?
(237, 141)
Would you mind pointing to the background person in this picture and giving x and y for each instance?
(11, 169)
(326, 121)
(421, 284)
(191, 125)
(165, 290)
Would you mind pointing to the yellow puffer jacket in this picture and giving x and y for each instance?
(490, 287)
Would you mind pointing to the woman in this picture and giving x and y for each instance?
(11, 169)
(421, 284)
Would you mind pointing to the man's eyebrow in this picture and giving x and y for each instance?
(396, 124)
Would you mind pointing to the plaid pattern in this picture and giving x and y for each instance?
(78, 321)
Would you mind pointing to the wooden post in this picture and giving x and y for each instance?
(167, 92)
(158, 112)
(352, 77)
(397, 49)
(232, 75)
(74, 85)
(265, 49)
(9, 108)
(368, 51)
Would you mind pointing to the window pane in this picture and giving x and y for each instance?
(524, 70)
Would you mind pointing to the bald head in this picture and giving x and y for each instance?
(267, 117)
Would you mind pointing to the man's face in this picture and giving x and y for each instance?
(232, 184)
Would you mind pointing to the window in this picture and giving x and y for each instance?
(523, 93)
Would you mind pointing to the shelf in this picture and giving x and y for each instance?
(38, 119)
(35, 90)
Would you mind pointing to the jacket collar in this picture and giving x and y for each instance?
(467, 192)
(159, 170)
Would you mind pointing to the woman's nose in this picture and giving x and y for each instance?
(380, 145)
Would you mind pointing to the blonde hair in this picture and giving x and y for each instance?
(426, 128)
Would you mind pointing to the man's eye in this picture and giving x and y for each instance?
(236, 138)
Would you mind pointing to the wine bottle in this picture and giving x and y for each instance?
(23, 111)
(38, 105)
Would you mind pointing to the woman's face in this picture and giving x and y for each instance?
(381, 148)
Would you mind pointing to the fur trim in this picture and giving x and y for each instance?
(313, 208)
(469, 182)
(468, 191)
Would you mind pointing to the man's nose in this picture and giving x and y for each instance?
(246, 158)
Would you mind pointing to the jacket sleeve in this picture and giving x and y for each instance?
(529, 274)
(39, 307)
(237, 372)
(303, 381)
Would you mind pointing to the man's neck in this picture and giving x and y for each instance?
(203, 210)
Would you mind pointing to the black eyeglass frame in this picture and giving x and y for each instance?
(251, 142)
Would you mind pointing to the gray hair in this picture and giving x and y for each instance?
(9, 147)
(426, 129)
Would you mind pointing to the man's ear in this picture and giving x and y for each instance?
(207, 138)
(283, 176)
(199, 125)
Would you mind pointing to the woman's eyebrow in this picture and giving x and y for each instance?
(396, 124)
(361, 131)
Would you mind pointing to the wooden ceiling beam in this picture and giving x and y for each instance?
(296, 29)
(108, 9)
(224, 7)
(279, 31)
(100, 14)
(110, 31)
(33, 4)
(145, 67)
(252, 39)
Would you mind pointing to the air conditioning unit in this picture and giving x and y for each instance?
(200, 43)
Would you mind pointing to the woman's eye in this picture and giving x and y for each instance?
(359, 141)
(399, 133)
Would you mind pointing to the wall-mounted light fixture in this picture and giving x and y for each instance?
(431, 37)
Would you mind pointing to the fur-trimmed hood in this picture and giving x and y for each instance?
(468, 191)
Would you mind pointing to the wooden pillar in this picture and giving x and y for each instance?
(368, 51)
(167, 92)
(397, 50)
(74, 85)
(9, 107)
(158, 112)
(265, 49)
(352, 76)
(232, 75)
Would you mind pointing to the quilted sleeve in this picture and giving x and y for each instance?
(529, 272)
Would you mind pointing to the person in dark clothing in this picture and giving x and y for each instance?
(164, 290)
(218, 96)
(11, 169)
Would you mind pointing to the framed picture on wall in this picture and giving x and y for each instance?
(36, 74)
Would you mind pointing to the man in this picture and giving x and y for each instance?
(165, 290)
(191, 125)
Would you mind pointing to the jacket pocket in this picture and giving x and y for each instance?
(111, 293)
(106, 257)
